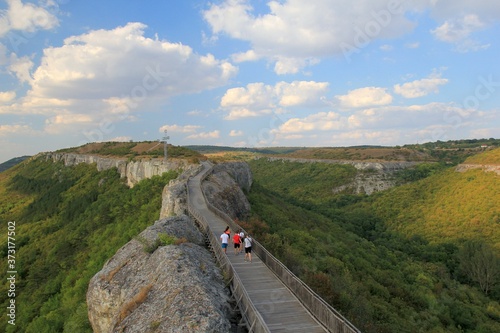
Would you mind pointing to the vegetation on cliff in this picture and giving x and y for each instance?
(69, 221)
(411, 259)
(131, 150)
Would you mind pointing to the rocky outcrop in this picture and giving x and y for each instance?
(133, 171)
(174, 196)
(223, 188)
(171, 288)
(485, 167)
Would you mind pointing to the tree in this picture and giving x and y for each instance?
(479, 263)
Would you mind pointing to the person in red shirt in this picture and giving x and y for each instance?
(237, 242)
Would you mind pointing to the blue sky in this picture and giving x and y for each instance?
(247, 73)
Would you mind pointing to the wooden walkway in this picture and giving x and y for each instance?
(276, 304)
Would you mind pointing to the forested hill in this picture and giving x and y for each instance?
(420, 257)
(12, 162)
(68, 222)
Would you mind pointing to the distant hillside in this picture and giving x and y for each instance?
(12, 162)
(154, 149)
(449, 152)
(362, 154)
(221, 149)
(488, 157)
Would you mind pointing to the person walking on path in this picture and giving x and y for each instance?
(248, 248)
(224, 240)
(242, 240)
(237, 242)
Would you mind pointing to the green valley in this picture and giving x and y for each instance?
(420, 257)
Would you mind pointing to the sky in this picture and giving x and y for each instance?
(317, 73)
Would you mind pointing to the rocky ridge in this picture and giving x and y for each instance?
(133, 171)
(149, 286)
(484, 167)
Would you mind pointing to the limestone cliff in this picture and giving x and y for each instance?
(133, 171)
(171, 288)
(174, 196)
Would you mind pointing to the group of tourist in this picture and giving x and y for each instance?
(239, 240)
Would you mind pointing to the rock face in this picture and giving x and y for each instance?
(484, 167)
(223, 188)
(174, 196)
(176, 288)
(134, 171)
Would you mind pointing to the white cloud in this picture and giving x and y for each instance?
(21, 68)
(458, 32)
(295, 33)
(364, 97)
(249, 55)
(323, 121)
(258, 99)
(179, 128)
(419, 88)
(25, 17)
(110, 74)
(120, 139)
(7, 96)
(234, 133)
(113, 63)
(205, 135)
(6, 130)
(384, 125)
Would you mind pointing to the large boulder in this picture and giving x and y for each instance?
(224, 187)
(150, 287)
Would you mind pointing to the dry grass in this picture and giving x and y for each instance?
(134, 303)
(180, 241)
(111, 274)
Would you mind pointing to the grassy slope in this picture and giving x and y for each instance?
(449, 206)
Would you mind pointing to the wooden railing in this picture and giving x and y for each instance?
(319, 308)
(255, 322)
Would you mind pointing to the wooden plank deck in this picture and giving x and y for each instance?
(277, 305)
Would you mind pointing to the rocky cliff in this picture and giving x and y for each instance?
(133, 171)
(149, 286)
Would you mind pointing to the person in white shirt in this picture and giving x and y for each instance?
(225, 240)
(248, 248)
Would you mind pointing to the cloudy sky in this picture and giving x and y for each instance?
(247, 73)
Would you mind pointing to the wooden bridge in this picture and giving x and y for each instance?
(270, 297)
